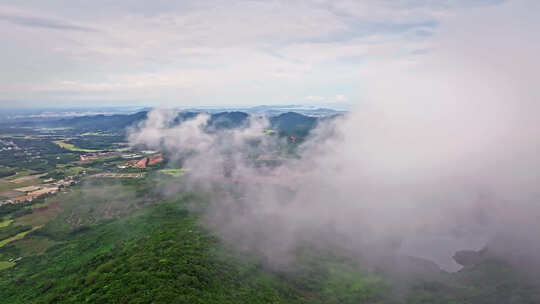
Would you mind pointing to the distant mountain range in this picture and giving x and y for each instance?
(48, 114)
(273, 110)
(289, 123)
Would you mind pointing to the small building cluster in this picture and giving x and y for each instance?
(86, 158)
(30, 193)
(143, 162)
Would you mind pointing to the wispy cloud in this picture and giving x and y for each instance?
(333, 99)
(38, 22)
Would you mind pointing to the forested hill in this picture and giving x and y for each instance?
(290, 123)
(101, 122)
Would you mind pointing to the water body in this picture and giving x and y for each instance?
(440, 249)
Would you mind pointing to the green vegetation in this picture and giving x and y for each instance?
(33, 245)
(34, 153)
(19, 174)
(6, 265)
(63, 171)
(91, 145)
(4, 172)
(96, 134)
(172, 172)
(17, 236)
(5, 223)
(6, 186)
(160, 254)
(100, 123)
(120, 241)
(293, 124)
(71, 147)
(124, 241)
(9, 231)
(12, 209)
(99, 142)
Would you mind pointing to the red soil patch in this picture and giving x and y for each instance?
(40, 216)
(52, 207)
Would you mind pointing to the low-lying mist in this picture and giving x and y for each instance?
(381, 181)
(441, 154)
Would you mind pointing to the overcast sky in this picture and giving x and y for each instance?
(189, 53)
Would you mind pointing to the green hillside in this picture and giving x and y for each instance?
(122, 242)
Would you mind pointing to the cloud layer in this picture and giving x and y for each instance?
(232, 52)
(441, 155)
(437, 177)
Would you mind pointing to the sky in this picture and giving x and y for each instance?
(204, 53)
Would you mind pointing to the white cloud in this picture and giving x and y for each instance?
(338, 98)
(314, 98)
(333, 99)
(224, 52)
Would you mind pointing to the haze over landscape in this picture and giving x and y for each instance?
(270, 152)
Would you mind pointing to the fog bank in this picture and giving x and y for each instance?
(442, 155)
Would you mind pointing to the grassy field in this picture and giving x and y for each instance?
(172, 172)
(123, 149)
(6, 222)
(71, 147)
(7, 185)
(6, 265)
(74, 170)
(70, 170)
(19, 174)
(17, 236)
(64, 171)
